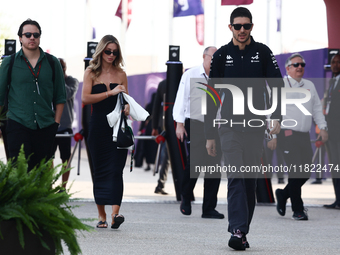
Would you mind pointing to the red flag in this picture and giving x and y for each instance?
(129, 12)
(200, 29)
(236, 2)
(119, 12)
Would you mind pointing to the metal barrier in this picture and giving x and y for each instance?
(78, 137)
(160, 139)
(318, 157)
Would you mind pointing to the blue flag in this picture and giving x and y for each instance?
(278, 14)
(187, 8)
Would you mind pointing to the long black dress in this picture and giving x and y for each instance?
(108, 161)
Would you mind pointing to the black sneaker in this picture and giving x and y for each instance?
(185, 206)
(238, 241)
(317, 181)
(332, 206)
(213, 214)
(300, 215)
(161, 191)
(246, 244)
(281, 202)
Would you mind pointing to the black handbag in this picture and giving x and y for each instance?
(125, 136)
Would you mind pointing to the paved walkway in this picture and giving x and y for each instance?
(154, 224)
(139, 186)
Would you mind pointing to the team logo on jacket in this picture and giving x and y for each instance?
(229, 61)
(256, 58)
(274, 61)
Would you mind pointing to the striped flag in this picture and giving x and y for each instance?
(119, 12)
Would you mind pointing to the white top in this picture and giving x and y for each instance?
(304, 122)
(190, 95)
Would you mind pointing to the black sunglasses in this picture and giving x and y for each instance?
(245, 26)
(29, 34)
(108, 52)
(297, 64)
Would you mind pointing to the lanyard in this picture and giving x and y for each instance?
(291, 84)
(35, 76)
(205, 76)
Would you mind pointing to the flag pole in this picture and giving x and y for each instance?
(215, 22)
(171, 14)
(268, 20)
(124, 26)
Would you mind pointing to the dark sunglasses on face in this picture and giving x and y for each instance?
(245, 26)
(108, 52)
(29, 34)
(296, 65)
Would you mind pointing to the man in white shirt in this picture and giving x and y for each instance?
(294, 136)
(190, 122)
(332, 111)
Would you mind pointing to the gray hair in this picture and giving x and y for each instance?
(207, 48)
(294, 55)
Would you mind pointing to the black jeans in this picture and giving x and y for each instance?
(37, 143)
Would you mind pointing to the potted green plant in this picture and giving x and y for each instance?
(34, 213)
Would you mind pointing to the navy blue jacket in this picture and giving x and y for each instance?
(254, 67)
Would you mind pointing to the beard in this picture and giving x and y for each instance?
(241, 41)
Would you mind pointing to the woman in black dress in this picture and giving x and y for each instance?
(103, 80)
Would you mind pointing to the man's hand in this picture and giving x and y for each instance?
(58, 112)
(275, 127)
(180, 131)
(324, 135)
(154, 132)
(211, 147)
(127, 110)
(272, 144)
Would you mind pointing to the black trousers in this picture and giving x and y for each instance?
(297, 152)
(241, 149)
(64, 144)
(4, 136)
(198, 156)
(37, 143)
(334, 146)
(164, 163)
